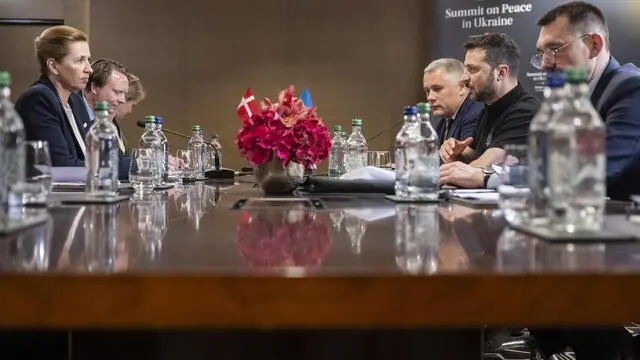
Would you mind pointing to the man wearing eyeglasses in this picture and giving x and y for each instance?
(576, 34)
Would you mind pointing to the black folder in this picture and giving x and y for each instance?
(324, 185)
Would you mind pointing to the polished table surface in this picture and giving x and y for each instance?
(189, 257)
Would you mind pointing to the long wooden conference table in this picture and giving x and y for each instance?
(222, 258)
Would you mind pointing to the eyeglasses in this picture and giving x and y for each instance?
(548, 56)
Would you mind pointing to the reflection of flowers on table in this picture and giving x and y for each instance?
(294, 238)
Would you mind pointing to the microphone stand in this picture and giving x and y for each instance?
(176, 133)
(385, 130)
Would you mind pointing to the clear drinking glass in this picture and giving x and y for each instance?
(187, 161)
(176, 170)
(381, 159)
(514, 186)
(142, 172)
(37, 182)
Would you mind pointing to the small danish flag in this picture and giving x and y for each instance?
(248, 106)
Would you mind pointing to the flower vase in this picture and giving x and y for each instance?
(276, 179)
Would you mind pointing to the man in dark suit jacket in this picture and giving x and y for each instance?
(109, 82)
(449, 100)
(617, 98)
(576, 34)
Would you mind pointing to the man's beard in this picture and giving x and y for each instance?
(487, 92)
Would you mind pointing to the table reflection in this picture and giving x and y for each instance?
(30, 250)
(100, 239)
(356, 227)
(187, 229)
(518, 252)
(149, 216)
(96, 239)
(195, 199)
(293, 238)
(417, 238)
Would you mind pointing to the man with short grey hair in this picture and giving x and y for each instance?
(449, 99)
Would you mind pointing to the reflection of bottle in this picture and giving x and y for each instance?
(336, 218)
(150, 217)
(515, 251)
(417, 236)
(356, 227)
(195, 203)
(33, 247)
(572, 257)
(211, 196)
(100, 238)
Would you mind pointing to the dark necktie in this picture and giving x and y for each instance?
(446, 128)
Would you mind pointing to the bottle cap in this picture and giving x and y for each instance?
(337, 128)
(195, 127)
(344, 133)
(410, 110)
(159, 120)
(423, 108)
(101, 106)
(356, 122)
(149, 119)
(5, 78)
(576, 75)
(555, 79)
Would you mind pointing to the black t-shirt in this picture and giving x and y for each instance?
(506, 121)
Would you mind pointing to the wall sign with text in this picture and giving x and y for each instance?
(456, 20)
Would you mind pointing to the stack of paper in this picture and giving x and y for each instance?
(370, 173)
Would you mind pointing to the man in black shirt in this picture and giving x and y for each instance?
(491, 74)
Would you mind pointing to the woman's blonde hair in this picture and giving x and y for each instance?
(54, 43)
(136, 90)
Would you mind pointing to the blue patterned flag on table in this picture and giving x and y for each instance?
(305, 96)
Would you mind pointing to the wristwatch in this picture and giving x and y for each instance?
(487, 171)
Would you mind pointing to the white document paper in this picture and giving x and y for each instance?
(370, 173)
(68, 174)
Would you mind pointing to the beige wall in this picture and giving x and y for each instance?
(196, 57)
(17, 55)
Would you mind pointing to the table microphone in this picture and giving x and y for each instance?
(217, 173)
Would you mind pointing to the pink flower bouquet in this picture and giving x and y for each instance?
(288, 130)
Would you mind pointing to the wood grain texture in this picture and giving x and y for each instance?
(130, 301)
